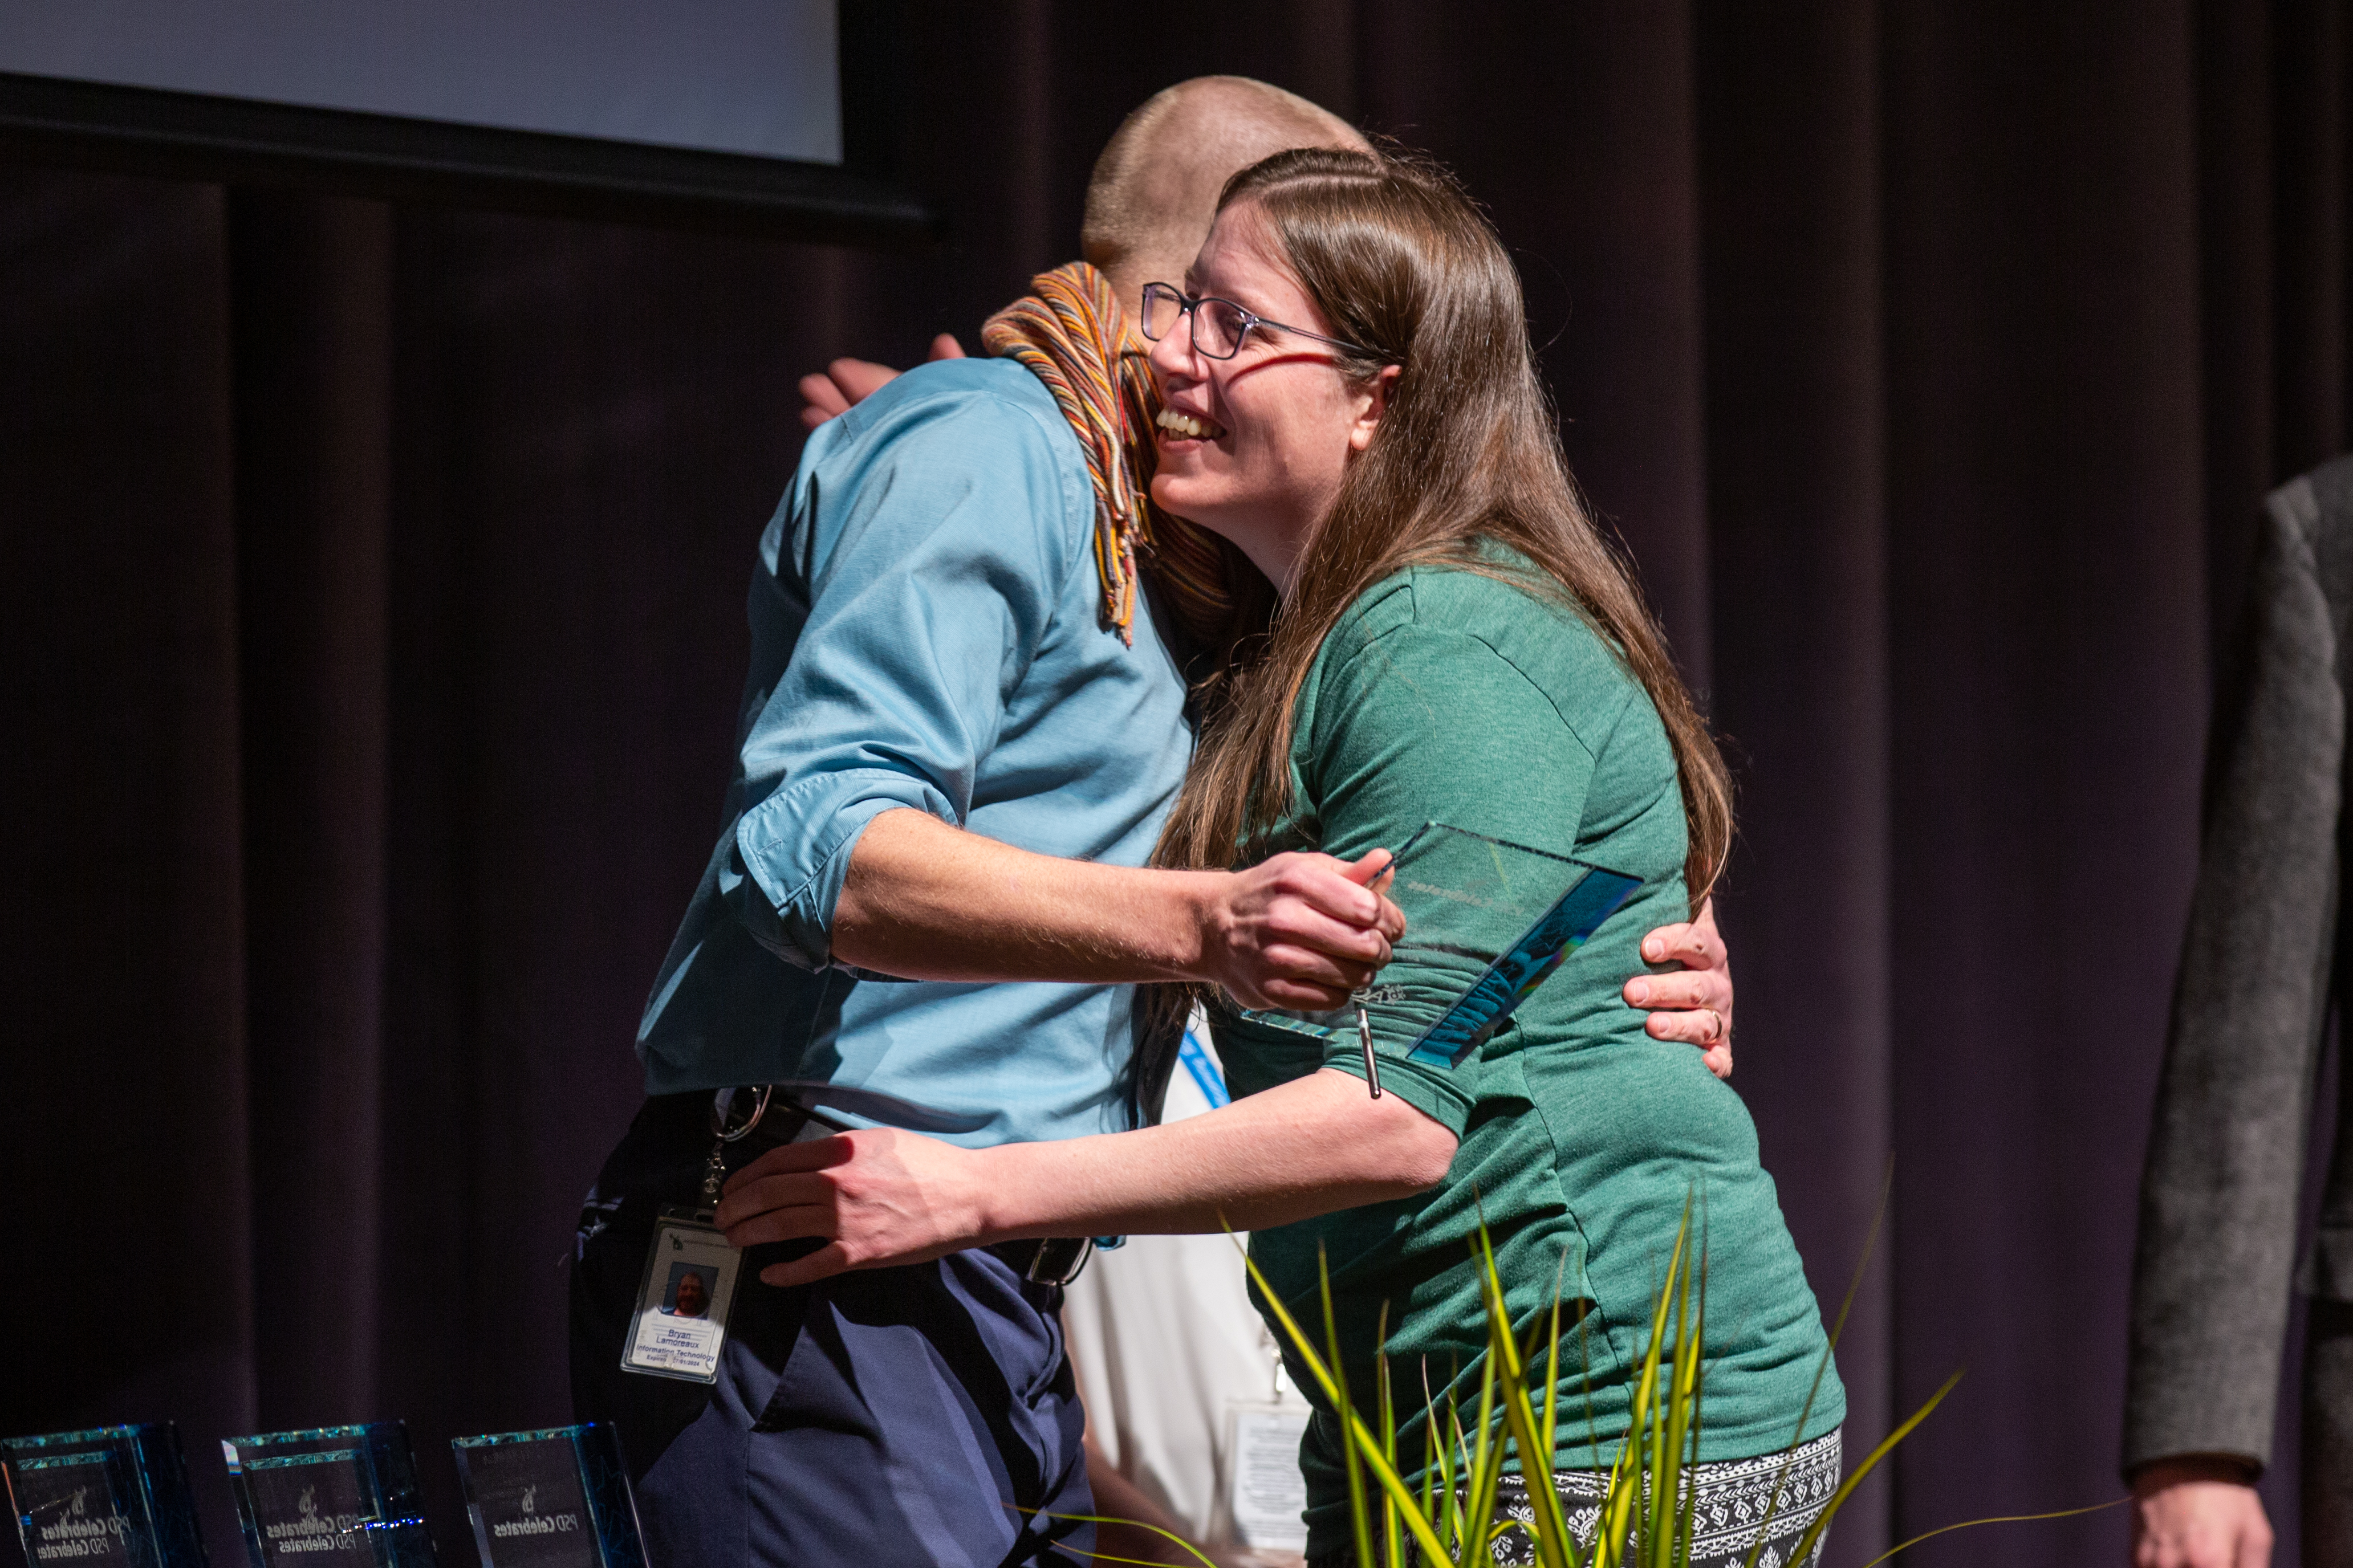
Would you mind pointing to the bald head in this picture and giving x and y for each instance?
(1154, 189)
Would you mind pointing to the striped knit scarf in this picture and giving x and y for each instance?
(1069, 332)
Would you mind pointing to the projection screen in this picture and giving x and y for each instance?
(708, 112)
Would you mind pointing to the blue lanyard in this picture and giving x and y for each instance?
(1204, 1068)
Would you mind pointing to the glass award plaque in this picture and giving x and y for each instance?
(1487, 922)
(553, 1499)
(109, 1495)
(328, 1496)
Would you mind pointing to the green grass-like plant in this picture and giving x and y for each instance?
(1645, 1519)
(1646, 1515)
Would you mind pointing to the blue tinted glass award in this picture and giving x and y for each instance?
(553, 1499)
(109, 1495)
(328, 1496)
(1487, 922)
(1461, 893)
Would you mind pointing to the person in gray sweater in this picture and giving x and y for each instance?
(2216, 1260)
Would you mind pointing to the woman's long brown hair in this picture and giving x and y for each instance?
(1400, 261)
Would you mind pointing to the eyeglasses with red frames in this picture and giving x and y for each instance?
(1218, 325)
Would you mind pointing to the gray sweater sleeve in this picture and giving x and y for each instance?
(2214, 1265)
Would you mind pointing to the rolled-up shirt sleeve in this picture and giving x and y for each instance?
(931, 552)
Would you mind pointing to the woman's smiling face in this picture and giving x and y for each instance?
(1253, 448)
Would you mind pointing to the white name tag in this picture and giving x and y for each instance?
(1265, 1493)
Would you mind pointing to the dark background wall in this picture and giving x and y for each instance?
(370, 629)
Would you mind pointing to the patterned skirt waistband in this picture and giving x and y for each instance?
(1733, 1501)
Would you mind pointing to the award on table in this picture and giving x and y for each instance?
(553, 1499)
(328, 1496)
(1487, 922)
(109, 1495)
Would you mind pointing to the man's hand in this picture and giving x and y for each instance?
(832, 390)
(2198, 1512)
(897, 1196)
(1300, 930)
(1694, 1005)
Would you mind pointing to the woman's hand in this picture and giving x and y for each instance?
(1695, 1005)
(878, 1195)
(1298, 931)
(846, 382)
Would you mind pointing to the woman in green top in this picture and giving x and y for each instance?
(1457, 643)
(1351, 401)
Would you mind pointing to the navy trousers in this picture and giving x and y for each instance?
(923, 1414)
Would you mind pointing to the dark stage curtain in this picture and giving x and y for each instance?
(370, 632)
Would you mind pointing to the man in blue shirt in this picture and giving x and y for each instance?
(928, 642)
(938, 726)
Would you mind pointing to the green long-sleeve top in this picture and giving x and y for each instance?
(1449, 695)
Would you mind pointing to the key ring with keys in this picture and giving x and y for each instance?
(722, 1112)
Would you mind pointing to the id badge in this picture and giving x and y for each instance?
(1265, 1494)
(680, 1320)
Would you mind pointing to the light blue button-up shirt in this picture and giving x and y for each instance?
(926, 633)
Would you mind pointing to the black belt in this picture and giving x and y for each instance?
(1055, 1260)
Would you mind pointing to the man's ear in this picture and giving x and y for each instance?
(1372, 402)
